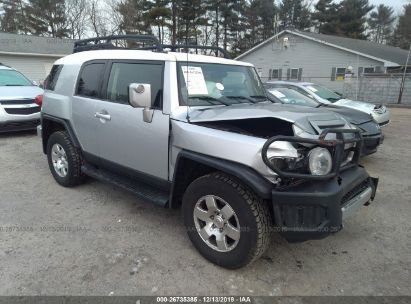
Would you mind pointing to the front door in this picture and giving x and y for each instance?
(122, 136)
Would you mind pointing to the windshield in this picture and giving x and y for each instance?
(205, 84)
(13, 78)
(323, 92)
(291, 96)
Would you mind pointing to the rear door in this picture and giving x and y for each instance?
(88, 90)
(122, 135)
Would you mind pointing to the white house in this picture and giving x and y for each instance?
(32, 55)
(324, 59)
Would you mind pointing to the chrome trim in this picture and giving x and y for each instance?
(356, 203)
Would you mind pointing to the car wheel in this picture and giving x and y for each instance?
(227, 223)
(64, 160)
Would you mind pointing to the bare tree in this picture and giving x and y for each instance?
(76, 13)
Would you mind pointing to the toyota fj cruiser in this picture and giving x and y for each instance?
(198, 132)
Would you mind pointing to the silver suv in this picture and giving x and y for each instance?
(198, 133)
(20, 101)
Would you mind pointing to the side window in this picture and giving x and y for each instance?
(124, 74)
(338, 73)
(51, 80)
(90, 79)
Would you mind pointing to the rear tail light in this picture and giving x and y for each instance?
(39, 100)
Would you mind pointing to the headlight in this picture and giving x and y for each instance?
(320, 161)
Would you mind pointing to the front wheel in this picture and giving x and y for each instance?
(227, 223)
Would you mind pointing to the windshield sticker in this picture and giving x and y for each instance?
(277, 94)
(194, 77)
(219, 86)
(312, 89)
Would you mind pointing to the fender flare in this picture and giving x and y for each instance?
(249, 176)
(67, 126)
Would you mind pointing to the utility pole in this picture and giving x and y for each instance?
(403, 76)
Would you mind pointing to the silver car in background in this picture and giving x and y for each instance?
(20, 101)
(379, 112)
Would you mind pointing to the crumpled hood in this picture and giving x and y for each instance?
(354, 116)
(358, 105)
(311, 120)
(19, 92)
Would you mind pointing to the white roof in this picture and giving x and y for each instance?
(80, 58)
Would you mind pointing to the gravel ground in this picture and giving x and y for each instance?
(99, 240)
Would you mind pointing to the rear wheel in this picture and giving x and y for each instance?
(64, 160)
(227, 223)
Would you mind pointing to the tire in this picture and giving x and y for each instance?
(249, 226)
(72, 160)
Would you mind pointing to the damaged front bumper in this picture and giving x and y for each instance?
(314, 210)
(312, 207)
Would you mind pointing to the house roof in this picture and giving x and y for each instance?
(16, 44)
(391, 56)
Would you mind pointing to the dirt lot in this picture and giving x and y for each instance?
(98, 240)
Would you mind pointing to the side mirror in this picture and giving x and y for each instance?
(140, 97)
(35, 83)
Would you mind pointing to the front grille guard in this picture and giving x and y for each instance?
(335, 146)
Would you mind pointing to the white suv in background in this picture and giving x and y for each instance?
(20, 101)
(379, 112)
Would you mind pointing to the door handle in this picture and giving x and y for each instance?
(104, 116)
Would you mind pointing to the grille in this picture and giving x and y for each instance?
(303, 216)
(354, 192)
(17, 102)
(22, 111)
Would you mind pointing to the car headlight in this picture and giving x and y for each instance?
(320, 161)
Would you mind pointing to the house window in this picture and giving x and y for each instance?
(294, 74)
(338, 73)
(369, 70)
(275, 74)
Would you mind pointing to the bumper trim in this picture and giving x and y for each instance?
(356, 203)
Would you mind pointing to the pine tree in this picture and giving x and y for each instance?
(326, 16)
(380, 23)
(47, 18)
(13, 18)
(352, 18)
(189, 17)
(159, 15)
(294, 14)
(135, 16)
(402, 33)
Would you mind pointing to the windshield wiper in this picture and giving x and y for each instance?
(14, 85)
(241, 97)
(209, 99)
(259, 97)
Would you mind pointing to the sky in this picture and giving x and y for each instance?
(396, 4)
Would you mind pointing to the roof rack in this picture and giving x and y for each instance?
(106, 43)
(175, 47)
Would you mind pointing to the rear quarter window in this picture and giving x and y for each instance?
(51, 80)
(89, 82)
